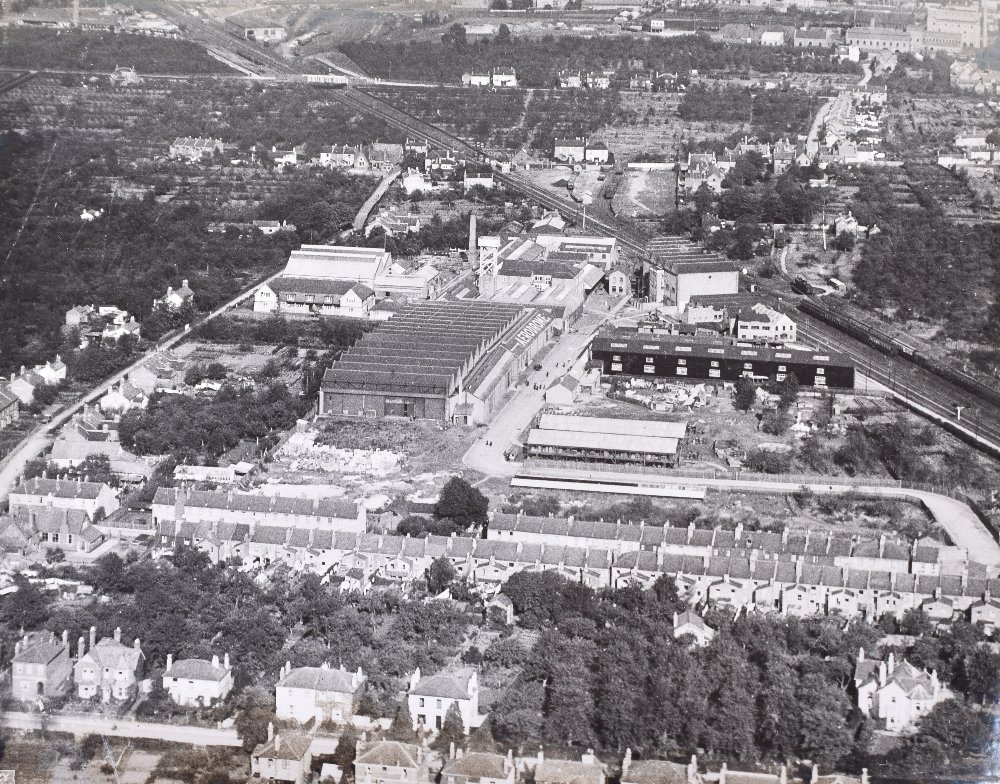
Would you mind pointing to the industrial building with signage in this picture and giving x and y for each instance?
(601, 439)
(451, 361)
(624, 353)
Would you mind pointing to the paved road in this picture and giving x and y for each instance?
(12, 466)
(956, 518)
(92, 725)
(375, 198)
(518, 412)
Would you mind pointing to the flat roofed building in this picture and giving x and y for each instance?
(625, 353)
(623, 427)
(333, 262)
(649, 450)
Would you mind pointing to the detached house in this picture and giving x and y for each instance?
(198, 682)
(41, 666)
(430, 698)
(286, 756)
(690, 623)
(898, 694)
(389, 762)
(570, 150)
(175, 299)
(108, 670)
(319, 693)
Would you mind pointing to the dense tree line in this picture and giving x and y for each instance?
(195, 427)
(25, 47)
(924, 265)
(607, 673)
(538, 61)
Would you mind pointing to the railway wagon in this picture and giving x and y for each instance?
(871, 335)
(327, 80)
(623, 353)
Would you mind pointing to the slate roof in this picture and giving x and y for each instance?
(655, 772)
(389, 753)
(322, 679)
(452, 685)
(477, 765)
(41, 648)
(196, 670)
(292, 746)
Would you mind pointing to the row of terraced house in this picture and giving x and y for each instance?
(794, 574)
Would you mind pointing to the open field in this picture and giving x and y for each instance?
(646, 194)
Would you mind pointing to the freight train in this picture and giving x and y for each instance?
(888, 344)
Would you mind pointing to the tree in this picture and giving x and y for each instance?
(787, 389)
(402, 724)
(452, 730)
(96, 468)
(440, 575)
(746, 393)
(844, 242)
(503, 34)
(462, 503)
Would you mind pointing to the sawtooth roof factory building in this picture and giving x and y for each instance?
(451, 361)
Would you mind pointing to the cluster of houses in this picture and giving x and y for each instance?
(442, 170)
(108, 670)
(106, 323)
(92, 432)
(968, 76)
(19, 390)
(971, 152)
(378, 157)
(501, 76)
(353, 282)
(62, 514)
(287, 756)
(363, 158)
(741, 316)
(853, 127)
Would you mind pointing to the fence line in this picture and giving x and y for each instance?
(743, 476)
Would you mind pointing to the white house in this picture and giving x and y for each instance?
(197, 682)
(314, 296)
(175, 299)
(619, 283)
(504, 77)
(597, 153)
(690, 623)
(430, 698)
(762, 324)
(563, 392)
(772, 38)
(898, 694)
(570, 150)
(476, 79)
(320, 693)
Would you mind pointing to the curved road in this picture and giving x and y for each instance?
(961, 524)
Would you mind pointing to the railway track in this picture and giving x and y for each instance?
(912, 383)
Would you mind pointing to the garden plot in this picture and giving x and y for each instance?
(646, 194)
